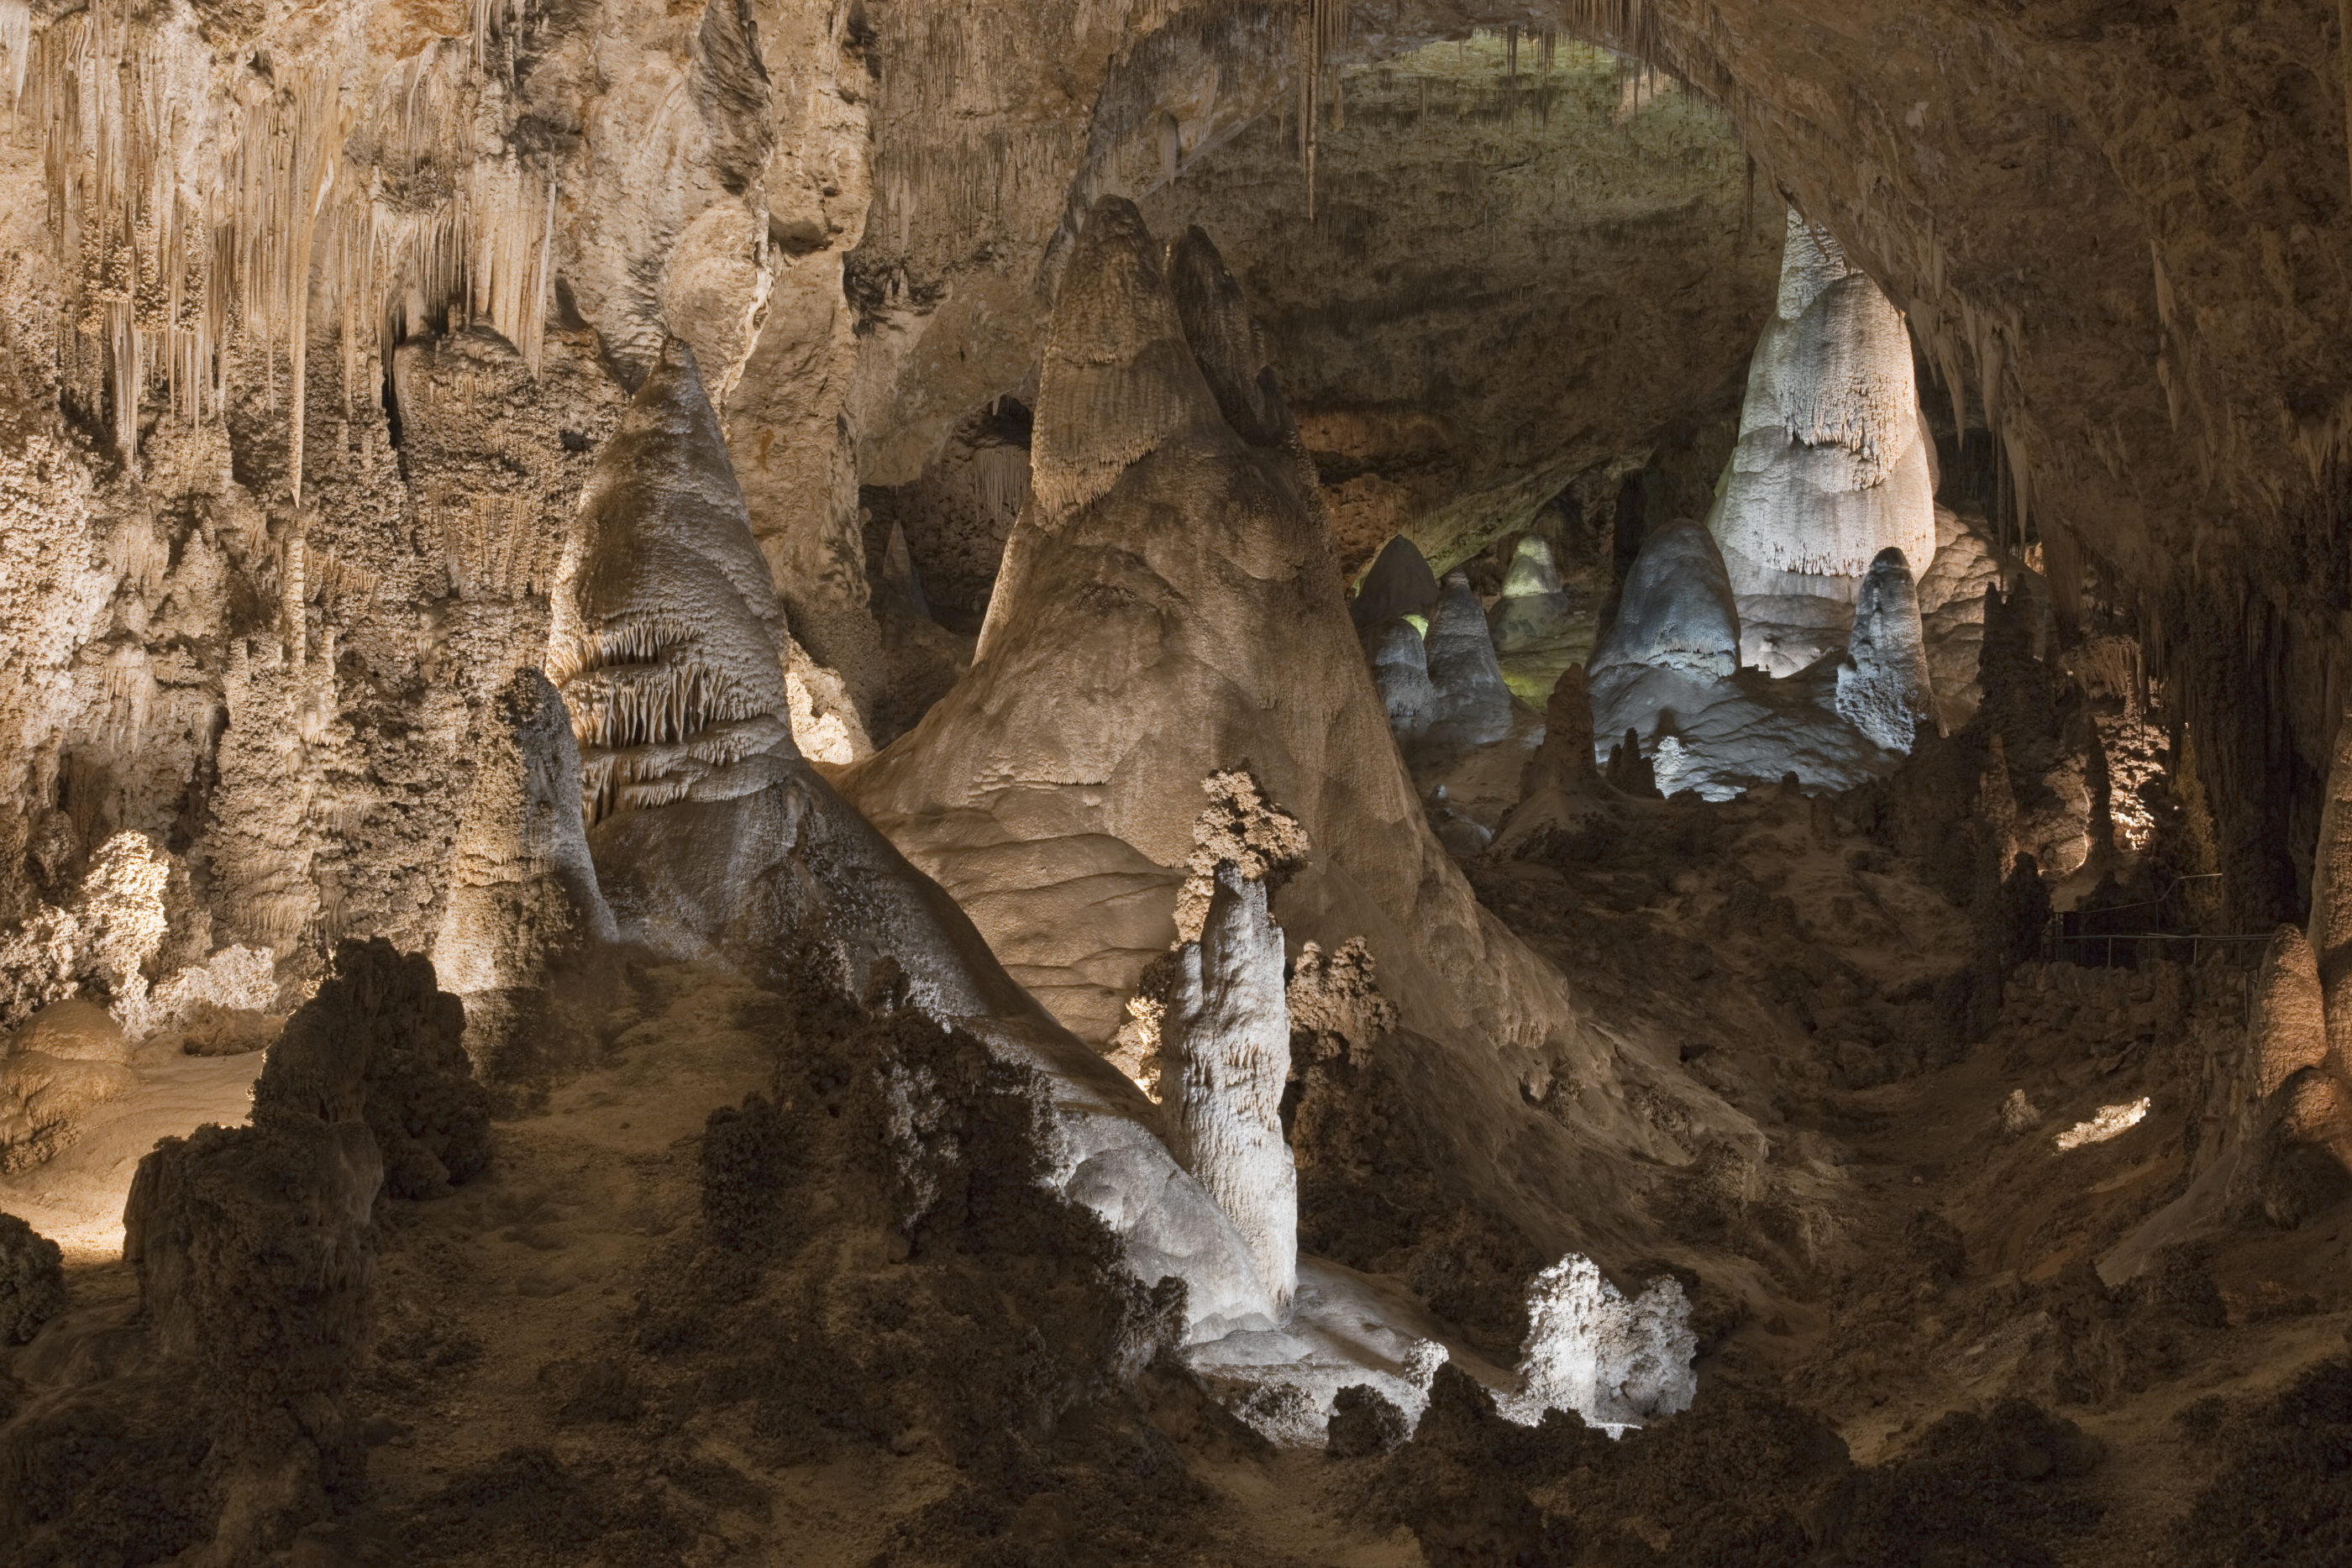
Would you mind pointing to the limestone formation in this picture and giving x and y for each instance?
(1565, 761)
(1224, 1043)
(55, 1069)
(1400, 673)
(1183, 616)
(1473, 706)
(1951, 613)
(1399, 583)
(1832, 465)
(1616, 1363)
(1533, 609)
(254, 1254)
(2294, 1093)
(1241, 828)
(1675, 612)
(1337, 1008)
(32, 1281)
(712, 837)
(381, 1042)
(105, 937)
(1884, 686)
(2330, 930)
(523, 897)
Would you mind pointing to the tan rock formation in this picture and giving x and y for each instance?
(713, 837)
(1158, 616)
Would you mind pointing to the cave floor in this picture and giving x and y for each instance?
(1799, 959)
(1787, 964)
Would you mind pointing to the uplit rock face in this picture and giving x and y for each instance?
(1832, 465)
(1224, 1043)
(1884, 688)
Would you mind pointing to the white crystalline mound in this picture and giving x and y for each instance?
(1676, 611)
(1616, 1363)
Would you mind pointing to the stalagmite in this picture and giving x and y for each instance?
(1882, 685)
(1473, 706)
(1401, 672)
(1616, 1363)
(1224, 1042)
(1675, 612)
(1400, 583)
(1118, 381)
(1832, 465)
(2292, 1079)
(522, 890)
(1566, 759)
(713, 837)
(1533, 609)
(1188, 614)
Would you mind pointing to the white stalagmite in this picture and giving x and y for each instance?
(1616, 1363)
(1224, 1043)
(1473, 706)
(1676, 611)
(1884, 688)
(1832, 465)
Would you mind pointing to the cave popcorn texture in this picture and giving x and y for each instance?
(1617, 1363)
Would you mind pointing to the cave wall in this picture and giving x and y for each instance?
(255, 609)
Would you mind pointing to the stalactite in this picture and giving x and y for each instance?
(184, 222)
(1322, 30)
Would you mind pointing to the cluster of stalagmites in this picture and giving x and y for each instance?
(1791, 632)
(1432, 655)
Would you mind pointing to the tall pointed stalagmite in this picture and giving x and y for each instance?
(1170, 607)
(713, 836)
